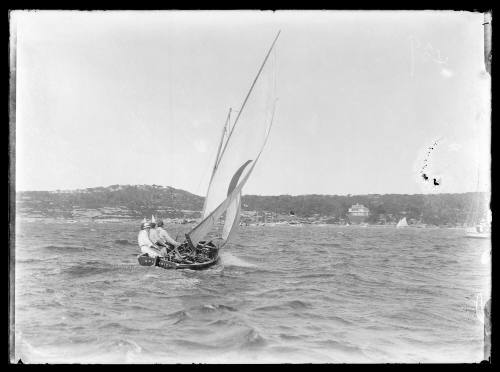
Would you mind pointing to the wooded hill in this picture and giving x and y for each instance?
(140, 200)
(436, 209)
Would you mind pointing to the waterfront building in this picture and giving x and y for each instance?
(357, 214)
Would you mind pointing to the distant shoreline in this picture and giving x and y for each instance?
(134, 202)
(63, 220)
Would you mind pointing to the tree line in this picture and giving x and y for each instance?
(436, 209)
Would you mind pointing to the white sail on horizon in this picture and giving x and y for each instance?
(402, 222)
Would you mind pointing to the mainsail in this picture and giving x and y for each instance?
(240, 147)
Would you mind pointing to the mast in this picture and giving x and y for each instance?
(217, 158)
(250, 91)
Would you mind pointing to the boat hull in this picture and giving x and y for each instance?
(163, 262)
(145, 260)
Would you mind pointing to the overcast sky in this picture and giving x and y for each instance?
(141, 97)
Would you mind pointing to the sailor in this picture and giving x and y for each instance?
(162, 233)
(153, 233)
(170, 244)
(145, 242)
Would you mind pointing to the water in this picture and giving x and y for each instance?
(280, 294)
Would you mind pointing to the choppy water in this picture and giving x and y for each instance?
(280, 294)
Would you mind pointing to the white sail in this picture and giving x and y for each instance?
(402, 222)
(217, 158)
(233, 211)
(205, 226)
(232, 220)
(238, 153)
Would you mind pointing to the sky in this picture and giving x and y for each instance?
(140, 97)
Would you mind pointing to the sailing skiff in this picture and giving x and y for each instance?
(165, 263)
(240, 147)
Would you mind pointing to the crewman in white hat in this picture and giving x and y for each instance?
(154, 235)
(163, 234)
(145, 243)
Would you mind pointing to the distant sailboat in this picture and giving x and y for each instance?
(481, 230)
(479, 218)
(402, 223)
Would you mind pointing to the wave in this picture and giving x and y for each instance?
(179, 316)
(230, 260)
(123, 242)
(369, 282)
(29, 260)
(182, 315)
(87, 270)
(222, 322)
(323, 275)
(114, 326)
(209, 308)
(123, 344)
(252, 339)
(193, 345)
(284, 336)
(437, 245)
(339, 319)
(245, 339)
(294, 304)
(66, 248)
(341, 346)
(85, 352)
(336, 245)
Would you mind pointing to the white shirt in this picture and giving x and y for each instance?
(164, 236)
(154, 236)
(143, 239)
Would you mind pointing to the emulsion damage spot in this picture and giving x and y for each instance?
(425, 176)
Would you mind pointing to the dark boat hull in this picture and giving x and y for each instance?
(145, 260)
(162, 262)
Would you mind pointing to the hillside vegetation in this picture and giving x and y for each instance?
(135, 201)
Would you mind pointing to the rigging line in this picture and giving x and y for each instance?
(204, 174)
(249, 92)
(275, 74)
(219, 155)
(211, 154)
(242, 182)
(217, 158)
